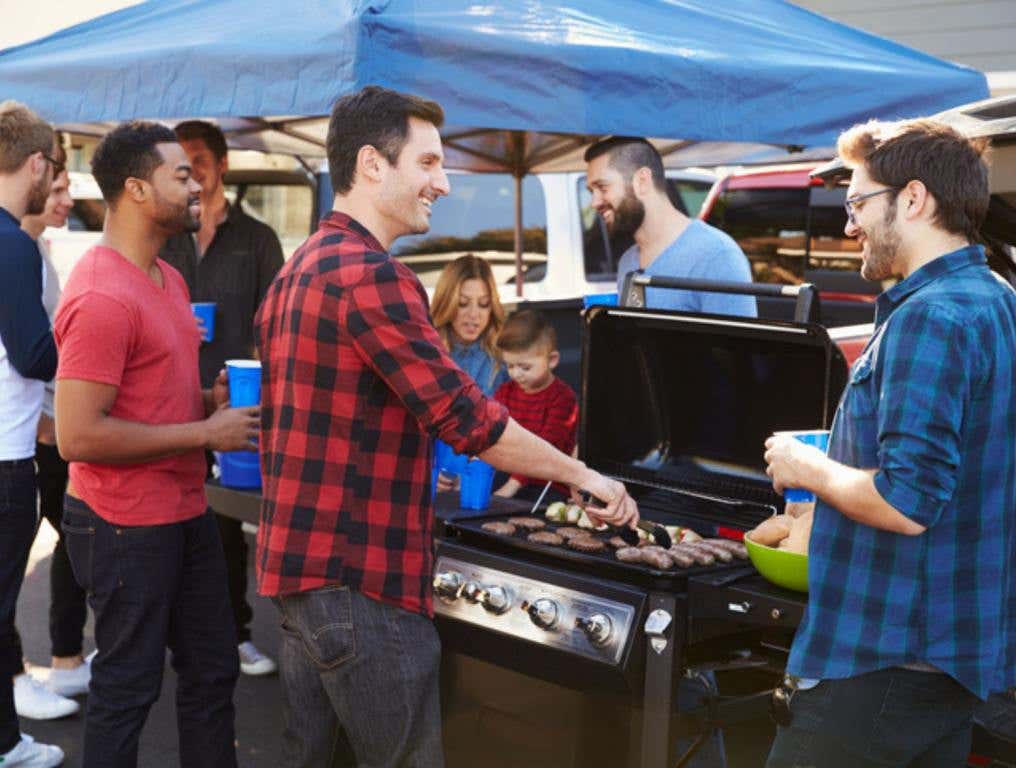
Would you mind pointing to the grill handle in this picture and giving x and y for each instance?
(806, 308)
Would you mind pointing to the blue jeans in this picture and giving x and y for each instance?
(891, 717)
(151, 587)
(359, 679)
(17, 529)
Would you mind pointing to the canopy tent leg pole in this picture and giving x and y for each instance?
(519, 276)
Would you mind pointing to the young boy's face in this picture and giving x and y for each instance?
(532, 369)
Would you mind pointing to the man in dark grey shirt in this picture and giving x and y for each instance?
(231, 260)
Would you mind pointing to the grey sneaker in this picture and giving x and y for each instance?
(28, 753)
(253, 662)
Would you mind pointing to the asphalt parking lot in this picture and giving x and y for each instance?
(258, 712)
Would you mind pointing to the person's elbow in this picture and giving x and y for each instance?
(74, 443)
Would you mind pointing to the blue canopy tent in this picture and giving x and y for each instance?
(524, 83)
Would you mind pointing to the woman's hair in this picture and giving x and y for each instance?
(445, 304)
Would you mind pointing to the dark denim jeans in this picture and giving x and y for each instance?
(359, 682)
(152, 587)
(17, 529)
(898, 718)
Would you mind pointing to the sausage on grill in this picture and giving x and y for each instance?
(586, 544)
(681, 559)
(657, 558)
(505, 529)
(529, 523)
(700, 556)
(618, 543)
(629, 555)
(720, 553)
(570, 532)
(545, 537)
(736, 548)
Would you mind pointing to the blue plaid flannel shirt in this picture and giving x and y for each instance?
(931, 404)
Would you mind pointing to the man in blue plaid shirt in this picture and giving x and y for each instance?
(910, 619)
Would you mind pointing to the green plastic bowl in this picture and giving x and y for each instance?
(782, 568)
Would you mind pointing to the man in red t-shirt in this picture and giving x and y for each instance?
(536, 398)
(133, 422)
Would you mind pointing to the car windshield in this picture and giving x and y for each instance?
(478, 217)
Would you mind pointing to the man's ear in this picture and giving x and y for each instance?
(370, 163)
(916, 201)
(642, 182)
(136, 189)
(553, 359)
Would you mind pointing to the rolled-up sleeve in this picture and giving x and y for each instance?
(927, 368)
(388, 321)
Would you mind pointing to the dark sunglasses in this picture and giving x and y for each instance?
(58, 167)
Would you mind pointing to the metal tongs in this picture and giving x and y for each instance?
(656, 531)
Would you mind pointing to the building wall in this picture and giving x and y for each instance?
(978, 33)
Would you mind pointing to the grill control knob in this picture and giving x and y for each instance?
(447, 585)
(472, 591)
(497, 600)
(597, 628)
(543, 613)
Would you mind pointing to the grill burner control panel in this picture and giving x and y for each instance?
(562, 618)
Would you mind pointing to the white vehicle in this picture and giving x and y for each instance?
(83, 228)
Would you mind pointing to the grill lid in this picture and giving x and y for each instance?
(686, 401)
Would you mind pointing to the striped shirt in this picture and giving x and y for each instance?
(552, 413)
(930, 405)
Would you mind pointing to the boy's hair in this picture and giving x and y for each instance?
(22, 133)
(202, 130)
(951, 167)
(128, 151)
(372, 116)
(526, 329)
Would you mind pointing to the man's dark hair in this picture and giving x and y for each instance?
(627, 154)
(209, 133)
(128, 151)
(951, 167)
(377, 117)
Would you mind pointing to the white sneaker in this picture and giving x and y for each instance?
(35, 701)
(65, 682)
(253, 662)
(27, 753)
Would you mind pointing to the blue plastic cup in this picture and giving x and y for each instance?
(816, 437)
(244, 382)
(205, 312)
(446, 461)
(477, 478)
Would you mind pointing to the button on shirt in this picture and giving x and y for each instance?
(931, 405)
(356, 381)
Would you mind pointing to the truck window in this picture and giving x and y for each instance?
(286, 208)
(478, 217)
(601, 251)
(769, 225)
(834, 260)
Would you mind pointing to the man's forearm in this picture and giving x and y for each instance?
(115, 441)
(852, 492)
(523, 453)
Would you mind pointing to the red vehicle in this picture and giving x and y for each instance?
(790, 226)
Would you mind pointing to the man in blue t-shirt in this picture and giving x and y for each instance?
(626, 179)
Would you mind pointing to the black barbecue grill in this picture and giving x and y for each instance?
(676, 406)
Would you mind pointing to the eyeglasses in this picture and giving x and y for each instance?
(851, 202)
(58, 167)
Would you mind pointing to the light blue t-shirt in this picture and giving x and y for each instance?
(701, 252)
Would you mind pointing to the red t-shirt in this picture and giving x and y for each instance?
(552, 413)
(115, 326)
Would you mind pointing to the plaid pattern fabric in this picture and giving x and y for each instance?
(354, 378)
(931, 404)
(552, 413)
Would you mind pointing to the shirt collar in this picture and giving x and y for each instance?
(967, 256)
(339, 220)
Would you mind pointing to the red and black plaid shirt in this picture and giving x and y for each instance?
(354, 378)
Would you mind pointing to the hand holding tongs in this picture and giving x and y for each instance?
(656, 531)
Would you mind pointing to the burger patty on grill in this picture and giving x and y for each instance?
(529, 523)
(504, 529)
(545, 537)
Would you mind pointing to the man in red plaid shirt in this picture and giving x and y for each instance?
(356, 383)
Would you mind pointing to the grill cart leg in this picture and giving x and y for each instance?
(665, 631)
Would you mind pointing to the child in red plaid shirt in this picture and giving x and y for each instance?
(535, 397)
